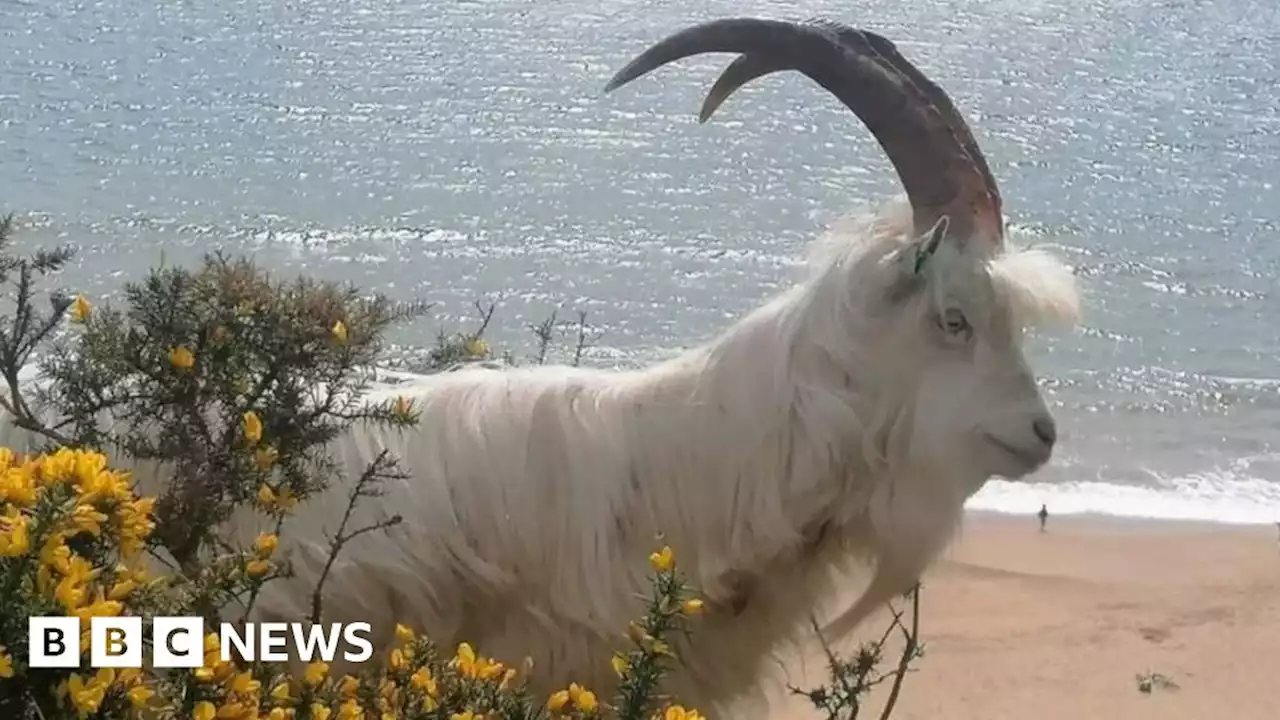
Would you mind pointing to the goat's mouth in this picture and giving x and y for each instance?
(1026, 460)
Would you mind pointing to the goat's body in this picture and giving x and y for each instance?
(764, 459)
(535, 499)
(537, 495)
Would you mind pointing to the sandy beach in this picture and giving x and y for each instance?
(1058, 625)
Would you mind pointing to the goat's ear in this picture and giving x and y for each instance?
(929, 243)
(912, 259)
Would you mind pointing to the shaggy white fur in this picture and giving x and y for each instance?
(840, 427)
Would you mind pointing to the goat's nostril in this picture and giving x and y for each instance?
(1046, 430)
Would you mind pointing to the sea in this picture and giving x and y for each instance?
(464, 152)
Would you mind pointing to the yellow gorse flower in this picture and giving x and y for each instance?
(316, 673)
(99, 607)
(339, 331)
(266, 543)
(86, 518)
(135, 525)
(80, 309)
(6, 663)
(694, 606)
(244, 684)
(677, 712)
(397, 660)
(213, 667)
(121, 590)
(402, 408)
(16, 485)
(350, 710)
(388, 691)
(423, 680)
(86, 696)
(583, 699)
(273, 501)
(237, 711)
(280, 692)
(637, 634)
(139, 695)
(95, 483)
(258, 567)
(348, 687)
(477, 348)
(663, 560)
(72, 589)
(476, 666)
(264, 458)
(182, 358)
(558, 700)
(251, 425)
(15, 533)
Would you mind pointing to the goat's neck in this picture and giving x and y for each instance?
(759, 440)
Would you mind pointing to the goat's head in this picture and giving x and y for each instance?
(942, 300)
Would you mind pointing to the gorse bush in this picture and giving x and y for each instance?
(233, 384)
(71, 543)
(230, 379)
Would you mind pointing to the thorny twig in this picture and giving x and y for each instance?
(582, 338)
(257, 588)
(27, 329)
(486, 315)
(545, 332)
(851, 680)
(910, 651)
(382, 468)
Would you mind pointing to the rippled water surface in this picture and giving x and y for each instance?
(464, 150)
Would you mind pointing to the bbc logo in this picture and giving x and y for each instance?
(178, 642)
(115, 642)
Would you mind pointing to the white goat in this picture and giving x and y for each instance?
(841, 426)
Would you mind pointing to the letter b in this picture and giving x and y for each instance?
(53, 642)
(115, 642)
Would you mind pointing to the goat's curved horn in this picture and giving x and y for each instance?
(915, 122)
(740, 72)
(750, 67)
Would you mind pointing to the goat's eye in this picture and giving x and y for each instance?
(954, 323)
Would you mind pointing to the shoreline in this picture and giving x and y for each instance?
(1117, 522)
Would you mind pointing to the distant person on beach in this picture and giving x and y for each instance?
(1043, 515)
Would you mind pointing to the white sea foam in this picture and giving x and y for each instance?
(1225, 495)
